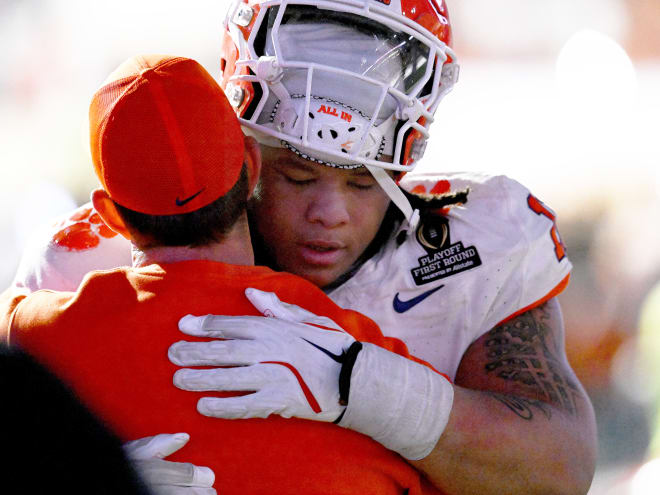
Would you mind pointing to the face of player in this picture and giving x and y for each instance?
(317, 220)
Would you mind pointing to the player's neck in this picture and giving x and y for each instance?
(235, 248)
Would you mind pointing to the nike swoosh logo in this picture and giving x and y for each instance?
(181, 202)
(335, 357)
(403, 306)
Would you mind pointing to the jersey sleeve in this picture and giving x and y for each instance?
(541, 267)
(58, 256)
(527, 260)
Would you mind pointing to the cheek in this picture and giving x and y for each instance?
(371, 212)
(278, 199)
(275, 220)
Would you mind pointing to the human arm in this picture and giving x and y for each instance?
(520, 422)
(299, 364)
(491, 401)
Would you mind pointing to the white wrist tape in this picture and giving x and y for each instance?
(399, 403)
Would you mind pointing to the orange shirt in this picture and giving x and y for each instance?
(109, 342)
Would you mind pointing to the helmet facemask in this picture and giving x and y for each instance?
(339, 87)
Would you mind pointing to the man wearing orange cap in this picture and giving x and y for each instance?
(177, 173)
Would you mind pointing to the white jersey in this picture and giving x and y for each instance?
(438, 290)
(501, 256)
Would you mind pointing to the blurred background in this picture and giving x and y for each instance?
(562, 95)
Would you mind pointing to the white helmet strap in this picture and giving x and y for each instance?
(396, 195)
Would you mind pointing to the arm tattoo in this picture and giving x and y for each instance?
(525, 351)
(521, 406)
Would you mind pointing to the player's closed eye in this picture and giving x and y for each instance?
(361, 187)
(298, 182)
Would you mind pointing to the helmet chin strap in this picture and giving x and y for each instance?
(394, 192)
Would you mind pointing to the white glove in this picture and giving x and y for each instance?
(167, 477)
(293, 367)
(400, 403)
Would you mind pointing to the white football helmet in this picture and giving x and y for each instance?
(345, 83)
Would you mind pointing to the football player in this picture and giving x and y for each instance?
(465, 268)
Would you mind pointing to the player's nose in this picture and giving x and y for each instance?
(329, 207)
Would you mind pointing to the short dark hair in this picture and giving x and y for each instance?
(197, 228)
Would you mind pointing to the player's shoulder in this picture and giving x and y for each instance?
(101, 292)
(59, 253)
(497, 221)
(497, 203)
(481, 186)
(97, 285)
(79, 230)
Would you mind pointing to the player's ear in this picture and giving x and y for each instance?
(252, 161)
(107, 210)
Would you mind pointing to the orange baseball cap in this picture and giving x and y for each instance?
(164, 138)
